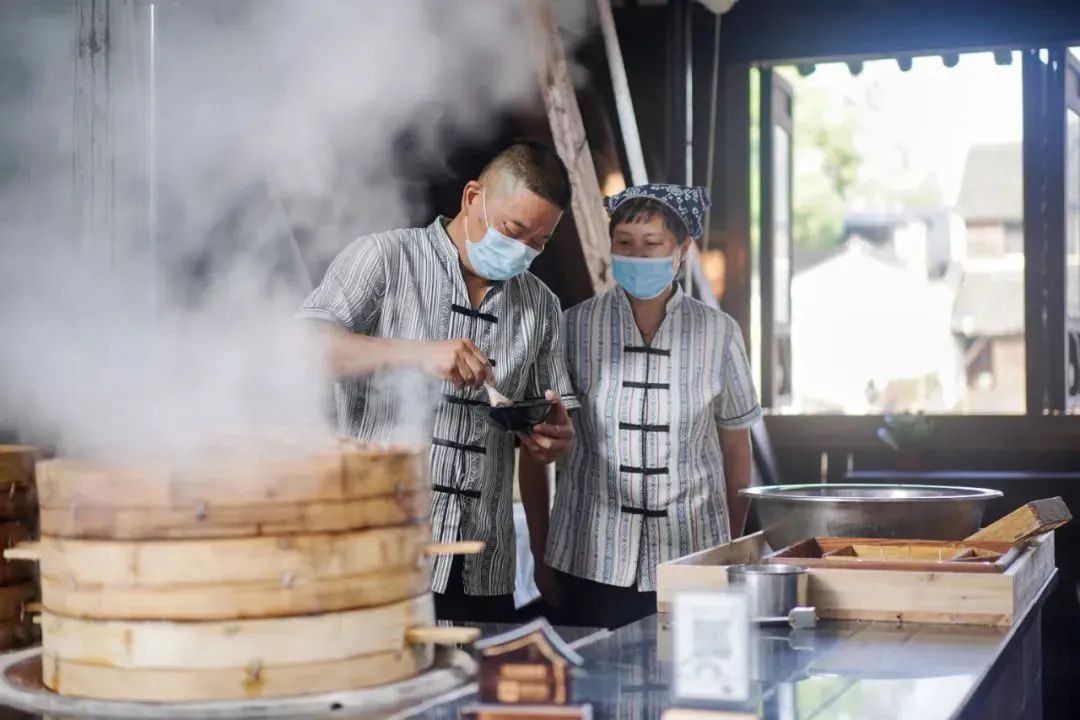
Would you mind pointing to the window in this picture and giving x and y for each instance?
(904, 237)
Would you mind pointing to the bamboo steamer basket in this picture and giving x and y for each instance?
(265, 491)
(233, 578)
(253, 574)
(18, 515)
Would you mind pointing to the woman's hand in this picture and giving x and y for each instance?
(547, 582)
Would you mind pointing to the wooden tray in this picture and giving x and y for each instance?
(909, 555)
(968, 598)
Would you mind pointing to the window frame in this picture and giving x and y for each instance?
(777, 113)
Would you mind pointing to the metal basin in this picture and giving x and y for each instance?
(790, 513)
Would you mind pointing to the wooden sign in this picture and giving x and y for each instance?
(525, 673)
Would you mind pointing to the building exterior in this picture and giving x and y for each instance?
(988, 315)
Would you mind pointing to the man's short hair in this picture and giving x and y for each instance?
(538, 167)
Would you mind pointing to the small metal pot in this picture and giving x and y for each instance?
(774, 590)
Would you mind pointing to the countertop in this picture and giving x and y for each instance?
(836, 671)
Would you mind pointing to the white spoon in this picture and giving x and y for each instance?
(496, 398)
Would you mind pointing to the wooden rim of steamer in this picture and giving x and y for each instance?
(226, 601)
(207, 520)
(111, 683)
(150, 564)
(269, 642)
(348, 473)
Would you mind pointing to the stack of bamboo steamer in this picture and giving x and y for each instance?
(18, 514)
(239, 575)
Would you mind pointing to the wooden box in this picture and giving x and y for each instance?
(967, 598)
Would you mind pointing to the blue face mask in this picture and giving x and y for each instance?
(496, 256)
(644, 278)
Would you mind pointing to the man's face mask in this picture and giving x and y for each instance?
(496, 256)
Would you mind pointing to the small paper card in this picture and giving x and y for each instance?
(711, 634)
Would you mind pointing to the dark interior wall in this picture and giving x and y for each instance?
(561, 266)
(644, 49)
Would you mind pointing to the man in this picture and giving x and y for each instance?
(455, 301)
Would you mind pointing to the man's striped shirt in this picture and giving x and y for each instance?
(408, 284)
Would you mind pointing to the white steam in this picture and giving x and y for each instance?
(271, 114)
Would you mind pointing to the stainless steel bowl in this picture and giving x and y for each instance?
(791, 513)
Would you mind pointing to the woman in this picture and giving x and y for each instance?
(662, 438)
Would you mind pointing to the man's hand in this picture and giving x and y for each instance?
(548, 584)
(553, 437)
(458, 361)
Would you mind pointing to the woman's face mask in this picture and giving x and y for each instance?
(644, 277)
(496, 256)
(645, 257)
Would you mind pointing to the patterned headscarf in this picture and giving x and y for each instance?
(689, 203)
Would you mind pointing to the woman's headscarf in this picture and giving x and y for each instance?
(689, 203)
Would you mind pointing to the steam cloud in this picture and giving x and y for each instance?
(271, 115)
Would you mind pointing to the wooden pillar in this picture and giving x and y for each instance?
(568, 133)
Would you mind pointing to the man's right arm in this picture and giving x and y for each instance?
(349, 354)
(344, 312)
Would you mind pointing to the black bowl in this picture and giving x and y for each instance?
(521, 416)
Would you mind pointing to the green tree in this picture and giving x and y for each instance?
(826, 167)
